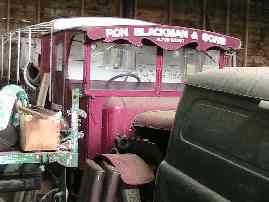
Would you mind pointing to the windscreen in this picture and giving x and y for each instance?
(123, 66)
(182, 62)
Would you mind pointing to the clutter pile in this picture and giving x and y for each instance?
(25, 128)
(36, 144)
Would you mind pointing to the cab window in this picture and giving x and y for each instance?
(185, 61)
(76, 58)
(123, 66)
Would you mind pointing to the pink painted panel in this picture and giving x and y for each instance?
(110, 117)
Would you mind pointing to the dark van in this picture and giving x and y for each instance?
(219, 147)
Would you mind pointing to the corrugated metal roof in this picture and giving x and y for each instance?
(245, 81)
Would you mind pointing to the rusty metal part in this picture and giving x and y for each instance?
(132, 168)
(111, 185)
(130, 194)
(91, 183)
(30, 111)
(161, 119)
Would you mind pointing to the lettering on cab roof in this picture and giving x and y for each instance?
(167, 37)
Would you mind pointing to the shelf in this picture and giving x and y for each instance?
(64, 158)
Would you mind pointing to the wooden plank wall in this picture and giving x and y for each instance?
(246, 19)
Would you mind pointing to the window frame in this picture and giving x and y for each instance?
(157, 91)
(249, 166)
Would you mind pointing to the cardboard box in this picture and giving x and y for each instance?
(39, 134)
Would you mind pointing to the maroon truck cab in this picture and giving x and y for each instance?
(125, 67)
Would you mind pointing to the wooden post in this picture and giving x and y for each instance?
(170, 12)
(82, 11)
(18, 57)
(121, 8)
(128, 8)
(38, 11)
(2, 57)
(204, 13)
(9, 58)
(8, 16)
(50, 64)
(228, 13)
(246, 34)
(135, 8)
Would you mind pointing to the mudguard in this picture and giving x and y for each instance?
(133, 169)
(161, 119)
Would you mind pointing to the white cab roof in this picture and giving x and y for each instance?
(84, 22)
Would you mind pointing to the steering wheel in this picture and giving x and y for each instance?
(125, 80)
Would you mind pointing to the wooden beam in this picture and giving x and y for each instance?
(246, 33)
(82, 11)
(228, 16)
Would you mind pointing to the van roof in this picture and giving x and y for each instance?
(245, 81)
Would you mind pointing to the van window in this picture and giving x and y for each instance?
(230, 132)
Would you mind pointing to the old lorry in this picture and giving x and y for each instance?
(131, 75)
